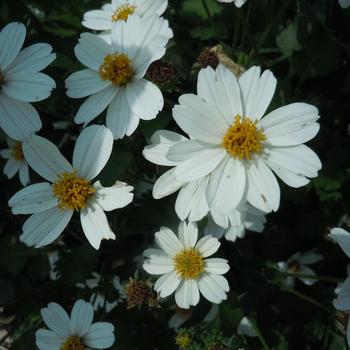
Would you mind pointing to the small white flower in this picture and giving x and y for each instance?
(232, 150)
(184, 268)
(75, 332)
(70, 189)
(238, 3)
(342, 237)
(115, 74)
(235, 224)
(344, 3)
(245, 327)
(21, 81)
(16, 162)
(298, 263)
(120, 10)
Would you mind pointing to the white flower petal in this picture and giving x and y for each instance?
(144, 98)
(167, 284)
(117, 196)
(216, 266)
(187, 294)
(97, 20)
(168, 241)
(342, 302)
(29, 87)
(41, 229)
(18, 119)
(213, 288)
(100, 335)
(186, 150)
(11, 168)
(48, 340)
(304, 270)
(45, 158)
(188, 234)
(166, 185)
(158, 262)
(24, 173)
(257, 91)
(263, 189)
(289, 178)
(33, 199)
(95, 224)
(95, 104)
(227, 185)
(81, 317)
(208, 245)
(92, 151)
(11, 41)
(57, 319)
(342, 237)
(92, 50)
(85, 83)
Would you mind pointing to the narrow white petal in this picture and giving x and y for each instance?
(166, 185)
(92, 151)
(188, 234)
(213, 288)
(47, 340)
(11, 168)
(81, 317)
(186, 150)
(100, 335)
(168, 241)
(24, 173)
(167, 284)
(158, 262)
(217, 266)
(98, 20)
(208, 245)
(187, 294)
(342, 237)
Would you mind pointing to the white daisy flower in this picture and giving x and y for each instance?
(120, 10)
(342, 237)
(245, 327)
(70, 189)
(75, 332)
(21, 81)
(15, 162)
(298, 263)
(115, 74)
(232, 149)
(184, 268)
(235, 224)
(344, 3)
(238, 3)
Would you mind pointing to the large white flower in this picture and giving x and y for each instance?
(75, 332)
(238, 3)
(21, 81)
(120, 10)
(115, 74)
(184, 268)
(232, 149)
(235, 224)
(15, 161)
(53, 205)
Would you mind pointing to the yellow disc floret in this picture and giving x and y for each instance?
(72, 191)
(73, 343)
(117, 68)
(16, 151)
(183, 340)
(243, 139)
(189, 263)
(123, 12)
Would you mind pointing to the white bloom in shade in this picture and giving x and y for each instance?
(233, 149)
(342, 237)
(184, 268)
(69, 189)
(238, 3)
(115, 74)
(235, 224)
(245, 327)
(120, 10)
(342, 303)
(21, 81)
(344, 3)
(75, 332)
(15, 161)
(298, 263)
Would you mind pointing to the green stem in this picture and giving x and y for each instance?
(236, 30)
(312, 277)
(206, 8)
(246, 22)
(260, 336)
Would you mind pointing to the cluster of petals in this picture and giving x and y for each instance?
(210, 178)
(141, 41)
(209, 282)
(91, 153)
(21, 81)
(74, 332)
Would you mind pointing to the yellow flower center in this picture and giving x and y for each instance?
(189, 263)
(16, 151)
(183, 340)
(73, 343)
(123, 12)
(243, 139)
(72, 191)
(117, 68)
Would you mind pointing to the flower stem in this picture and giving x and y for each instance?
(260, 336)
(312, 277)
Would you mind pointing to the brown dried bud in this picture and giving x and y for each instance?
(140, 293)
(161, 72)
(208, 58)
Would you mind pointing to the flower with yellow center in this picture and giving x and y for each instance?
(76, 332)
(183, 340)
(121, 10)
(233, 152)
(70, 189)
(115, 78)
(185, 269)
(15, 161)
